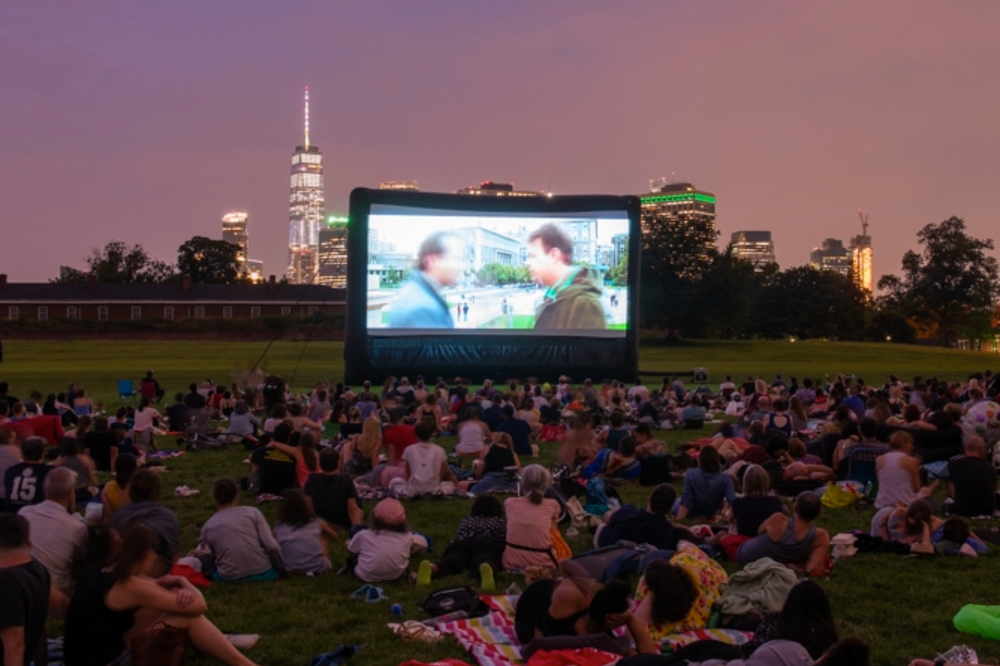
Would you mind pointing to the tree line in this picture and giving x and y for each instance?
(947, 290)
(205, 260)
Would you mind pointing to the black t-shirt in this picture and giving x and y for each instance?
(23, 485)
(277, 470)
(178, 415)
(195, 400)
(25, 592)
(548, 414)
(329, 493)
(975, 486)
(520, 433)
(750, 512)
(98, 446)
(348, 429)
(631, 523)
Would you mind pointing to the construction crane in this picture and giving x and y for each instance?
(864, 223)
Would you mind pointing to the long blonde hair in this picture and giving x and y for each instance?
(370, 439)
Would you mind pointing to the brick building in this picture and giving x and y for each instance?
(171, 301)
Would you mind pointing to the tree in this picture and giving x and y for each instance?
(806, 303)
(724, 295)
(210, 261)
(619, 272)
(118, 262)
(950, 288)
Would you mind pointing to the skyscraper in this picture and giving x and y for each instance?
(234, 230)
(678, 210)
(306, 209)
(754, 246)
(831, 256)
(333, 252)
(861, 256)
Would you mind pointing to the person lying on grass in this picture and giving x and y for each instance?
(576, 605)
(796, 540)
(122, 601)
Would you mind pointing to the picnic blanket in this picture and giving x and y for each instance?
(160, 455)
(491, 640)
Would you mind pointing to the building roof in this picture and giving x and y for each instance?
(170, 292)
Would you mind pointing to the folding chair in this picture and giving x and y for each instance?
(126, 390)
(861, 463)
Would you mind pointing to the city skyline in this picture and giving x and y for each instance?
(794, 114)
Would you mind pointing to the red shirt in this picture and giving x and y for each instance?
(398, 437)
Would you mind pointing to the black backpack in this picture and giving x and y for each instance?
(454, 600)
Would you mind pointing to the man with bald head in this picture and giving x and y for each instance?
(58, 533)
(974, 481)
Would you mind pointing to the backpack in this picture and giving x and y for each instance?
(607, 562)
(454, 600)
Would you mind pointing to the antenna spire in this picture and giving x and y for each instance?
(307, 118)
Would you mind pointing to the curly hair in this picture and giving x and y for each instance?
(674, 592)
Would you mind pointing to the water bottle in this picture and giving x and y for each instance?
(397, 610)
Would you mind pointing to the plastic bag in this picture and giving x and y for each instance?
(836, 497)
(979, 620)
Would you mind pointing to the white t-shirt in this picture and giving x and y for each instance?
(384, 554)
(640, 392)
(425, 460)
(144, 419)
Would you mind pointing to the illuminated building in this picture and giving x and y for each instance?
(672, 209)
(755, 247)
(255, 270)
(234, 230)
(399, 185)
(306, 209)
(489, 188)
(831, 256)
(333, 252)
(861, 256)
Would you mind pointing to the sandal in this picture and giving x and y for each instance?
(411, 630)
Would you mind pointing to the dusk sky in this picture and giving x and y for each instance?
(146, 121)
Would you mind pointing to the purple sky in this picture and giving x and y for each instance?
(147, 121)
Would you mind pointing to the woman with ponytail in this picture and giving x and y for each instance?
(530, 519)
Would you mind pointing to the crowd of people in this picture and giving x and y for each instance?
(750, 493)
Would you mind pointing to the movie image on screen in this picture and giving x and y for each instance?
(484, 273)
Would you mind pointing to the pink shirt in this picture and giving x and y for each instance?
(529, 525)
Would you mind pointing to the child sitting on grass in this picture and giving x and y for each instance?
(382, 552)
(477, 547)
(300, 535)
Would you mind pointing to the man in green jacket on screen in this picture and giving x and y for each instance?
(573, 298)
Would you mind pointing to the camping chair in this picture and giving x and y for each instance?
(126, 390)
(861, 463)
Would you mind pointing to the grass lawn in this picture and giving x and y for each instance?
(902, 606)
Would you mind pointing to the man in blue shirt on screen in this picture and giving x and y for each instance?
(420, 303)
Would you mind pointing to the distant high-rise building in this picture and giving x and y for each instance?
(234, 230)
(255, 270)
(755, 247)
(306, 209)
(489, 188)
(831, 256)
(861, 256)
(399, 185)
(333, 252)
(670, 204)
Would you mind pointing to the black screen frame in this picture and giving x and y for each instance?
(480, 357)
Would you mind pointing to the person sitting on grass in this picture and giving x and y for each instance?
(304, 454)
(240, 538)
(477, 547)
(676, 595)
(579, 447)
(530, 520)
(472, 434)
(576, 605)
(705, 487)
(72, 458)
(898, 472)
(300, 535)
(519, 431)
(383, 551)
(646, 445)
(490, 471)
(273, 470)
(23, 481)
(114, 495)
(128, 598)
(425, 467)
(611, 436)
(242, 422)
(333, 496)
(747, 512)
(361, 453)
(794, 540)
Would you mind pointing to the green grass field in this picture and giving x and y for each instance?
(902, 606)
